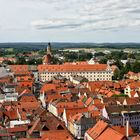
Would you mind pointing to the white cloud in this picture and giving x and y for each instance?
(91, 14)
(55, 23)
(70, 19)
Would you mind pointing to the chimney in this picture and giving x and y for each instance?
(127, 128)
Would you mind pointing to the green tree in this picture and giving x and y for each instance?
(8, 62)
(103, 61)
(136, 67)
(127, 67)
(21, 60)
(119, 64)
(42, 52)
(116, 75)
(131, 55)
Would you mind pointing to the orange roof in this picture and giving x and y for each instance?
(25, 91)
(28, 98)
(95, 114)
(134, 85)
(133, 93)
(97, 129)
(47, 87)
(22, 73)
(76, 117)
(69, 68)
(102, 131)
(17, 68)
(20, 89)
(97, 101)
(132, 101)
(110, 134)
(12, 115)
(29, 105)
(30, 139)
(70, 104)
(52, 97)
(108, 92)
(122, 130)
(56, 135)
(26, 84)
(73, 111)
(25, 78)
(97, 84)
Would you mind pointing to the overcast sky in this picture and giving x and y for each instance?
(70, 20)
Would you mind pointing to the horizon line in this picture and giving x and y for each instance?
(77, 42)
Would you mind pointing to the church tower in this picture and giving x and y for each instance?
(49, 49)
(47, 58)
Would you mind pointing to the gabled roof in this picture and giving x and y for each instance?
(73, 111)
(96, 131)
(57, 135)
(47, 120)
(111, 134)
(102, 131)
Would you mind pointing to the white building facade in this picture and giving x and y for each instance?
(97, 72)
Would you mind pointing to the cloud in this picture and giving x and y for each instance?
(72, 14)
(90, 15)
(55, 23)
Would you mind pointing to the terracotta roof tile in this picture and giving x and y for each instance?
(102, 131)
(57, 135)
(60, 68)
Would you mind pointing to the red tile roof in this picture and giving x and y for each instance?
(102, 131)
(122, 130)
(57, 135)
(19, 68)
(47, 87)
(97, 129)
(69, 68)
(111, 134)
(26, 84)
(76, 117)
(12, 115)
(73, 111)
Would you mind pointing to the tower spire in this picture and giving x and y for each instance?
(47, 58)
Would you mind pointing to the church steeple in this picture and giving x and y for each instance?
(47, 58)
(49, 49)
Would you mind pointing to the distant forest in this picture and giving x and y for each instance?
(38, 46)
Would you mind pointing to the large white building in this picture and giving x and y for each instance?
(96, 72)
